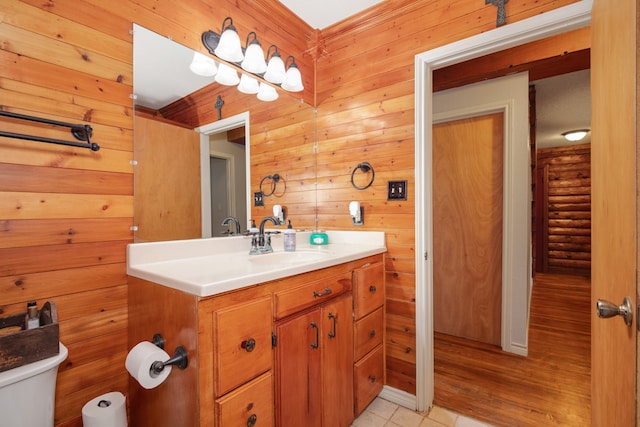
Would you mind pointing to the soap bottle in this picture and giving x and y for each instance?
(253, 229)
(289, 238)
(32, 319)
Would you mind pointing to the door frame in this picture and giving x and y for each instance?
(564, 19)
(223, 125)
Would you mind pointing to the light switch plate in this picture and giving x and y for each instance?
(258, 198)
(397, 190)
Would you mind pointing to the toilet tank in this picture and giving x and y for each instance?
(27, 393)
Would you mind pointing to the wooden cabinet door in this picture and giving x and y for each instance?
(337, 362)
(298, 371)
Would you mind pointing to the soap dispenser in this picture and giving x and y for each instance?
(289, 238)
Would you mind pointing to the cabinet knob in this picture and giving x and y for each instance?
(372, 333)
(372, 378)
(372, 289)
(251, 421)
(317, 294)
(248, 345)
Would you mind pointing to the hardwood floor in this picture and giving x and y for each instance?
(549, 387)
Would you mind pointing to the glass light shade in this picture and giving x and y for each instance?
(575, 135)
(254, 58)
(267, 93)
(248, 85)
(229, 47)
(203, 65)
(293, 80)
(275, 70)
(227, 76)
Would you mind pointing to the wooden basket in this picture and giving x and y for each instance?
(29, 345)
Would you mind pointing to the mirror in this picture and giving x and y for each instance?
(196, 162)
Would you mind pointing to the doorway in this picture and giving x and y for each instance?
(561, 20)
(214, 142)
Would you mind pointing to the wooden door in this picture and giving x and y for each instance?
(337, 362)
(467, 232)
(166, 182)
(298, 372)
(614, 208)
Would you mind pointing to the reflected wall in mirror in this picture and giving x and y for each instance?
(177, 133)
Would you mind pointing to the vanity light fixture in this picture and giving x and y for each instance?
(575, 135)
(248, 85)
(232, 58)
(227, 76)
(202, 65)
(228, 46)
(293, 79)
(267, 93)
(253, 61)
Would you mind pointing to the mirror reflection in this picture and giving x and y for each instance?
(193, 146)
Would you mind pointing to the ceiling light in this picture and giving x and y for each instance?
(229, 47)
(248, 85)
(575, 135)
(227, 76)
(267, 93)
(254, 56)
(203, 65)
(293, 79)
(275, 68)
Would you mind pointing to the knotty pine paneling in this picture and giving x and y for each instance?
(365, 101)
(71, 60)
(65, 212)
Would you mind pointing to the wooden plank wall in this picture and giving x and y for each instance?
(365, 93)
(566, 209)
(66, 212)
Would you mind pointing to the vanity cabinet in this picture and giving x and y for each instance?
(314, 366)
(368, 350)
(283, 352)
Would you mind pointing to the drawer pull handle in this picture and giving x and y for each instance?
(332, 334)
(248, 345)
(372, 289)
(372, 378)
(327, 291)
(252, 420)
(372, 333)
(315, 326)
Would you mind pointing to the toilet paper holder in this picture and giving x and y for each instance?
(179, 358)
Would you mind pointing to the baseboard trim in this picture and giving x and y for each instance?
(399, 397)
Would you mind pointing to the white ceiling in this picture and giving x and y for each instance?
(323, 13)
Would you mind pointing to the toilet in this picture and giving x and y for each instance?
(27, 393)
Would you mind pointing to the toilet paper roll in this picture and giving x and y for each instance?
(139, 361)
(107, 410)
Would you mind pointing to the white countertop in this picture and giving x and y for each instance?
(205, 267)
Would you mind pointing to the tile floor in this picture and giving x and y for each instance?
(382, 413)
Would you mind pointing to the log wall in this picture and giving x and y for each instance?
(565, 209)
(65, 213)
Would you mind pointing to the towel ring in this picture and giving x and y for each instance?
(364, 167)
(274, 183)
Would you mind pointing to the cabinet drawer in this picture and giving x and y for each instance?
(368, 377)
(368, 333)
(242, 343)
(292, 300)
(250, 405)
(368, 288)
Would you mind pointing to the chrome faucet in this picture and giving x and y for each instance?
(229, 219)
(261, 243)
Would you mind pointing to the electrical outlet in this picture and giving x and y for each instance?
(258, 198)
(397, 190)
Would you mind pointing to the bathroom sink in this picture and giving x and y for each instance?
(280, 258)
